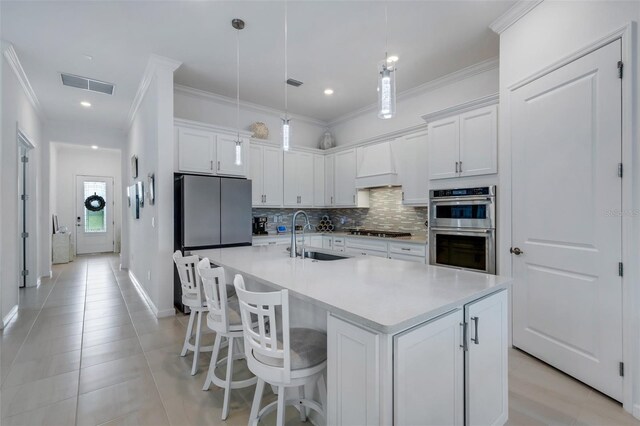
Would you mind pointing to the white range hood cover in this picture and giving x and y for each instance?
(376, 166)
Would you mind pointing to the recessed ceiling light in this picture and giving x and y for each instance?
(94, 146)
(85, 104)
(328, 91)
(88, 57)
(392, 59)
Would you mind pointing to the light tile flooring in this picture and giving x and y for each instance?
(84, 349)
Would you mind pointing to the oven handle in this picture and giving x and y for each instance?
(463, 230)
(462, 200)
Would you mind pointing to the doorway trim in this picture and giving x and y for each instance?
(630, 203)
(113, 216)
(26, 181)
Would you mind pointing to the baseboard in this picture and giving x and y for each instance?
(145, 295)
(636, 411)
(9, 316)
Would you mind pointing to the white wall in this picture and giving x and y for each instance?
(148, 241)
(410, 109)
(551, 31)
(16, 111)
(214, 109)
(78, 133)
(74, 160)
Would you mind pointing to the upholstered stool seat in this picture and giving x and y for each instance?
(308, 349)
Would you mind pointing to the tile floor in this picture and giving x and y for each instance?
(84, 349)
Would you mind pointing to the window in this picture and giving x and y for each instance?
(95, 221)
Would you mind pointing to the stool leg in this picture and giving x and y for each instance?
(322, 392)
(301, 407)
(280, 417)
(227, 384)
(196, 351)
(185, 347)
(212, 365)
(257, 400)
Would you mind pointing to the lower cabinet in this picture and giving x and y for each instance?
(451, 370)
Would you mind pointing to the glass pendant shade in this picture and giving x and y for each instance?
(386, 91)
(285, 134)
(238, 152)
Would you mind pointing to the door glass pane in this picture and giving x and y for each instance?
(469, 211)
(95, 202)
(462, 251)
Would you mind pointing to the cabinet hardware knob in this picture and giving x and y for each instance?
(516, 251)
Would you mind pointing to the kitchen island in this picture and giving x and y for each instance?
(403, 338)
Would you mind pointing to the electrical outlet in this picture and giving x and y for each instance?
(148, 275)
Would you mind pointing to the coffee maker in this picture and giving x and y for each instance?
(260, 225)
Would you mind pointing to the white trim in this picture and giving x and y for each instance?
(461, 108)
(513, 15)
(389, 136)
(636, 411)
(14, 62)
(190, 91)
(9, 316)
(159, 314)
(155, 62)
(446, 80)
(210, 127)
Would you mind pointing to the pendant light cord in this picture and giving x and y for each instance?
(386, 34)
(238, 82)
(286, 67)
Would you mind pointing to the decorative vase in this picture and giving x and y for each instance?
(260, 130)
(327, 141)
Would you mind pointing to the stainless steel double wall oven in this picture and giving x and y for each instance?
(462, 231)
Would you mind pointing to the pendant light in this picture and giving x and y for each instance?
(285, 121)
(238, 24)
(387, 79)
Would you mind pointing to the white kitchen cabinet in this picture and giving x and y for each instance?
(366, 247)
(429, 373)
(464, 144)
(329, 180)
(408, 251)
(345, 192)
(353, 380)
(266, 175)
(479, 142)
(226, 156)
(486, 367)
(318, 181)
(196, 150)
(327, 242)
(298, 179)
(412, 165)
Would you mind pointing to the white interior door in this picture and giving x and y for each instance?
(567, 295)
(94, 214)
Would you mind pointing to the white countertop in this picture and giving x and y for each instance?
(415, 239)
(386, 295)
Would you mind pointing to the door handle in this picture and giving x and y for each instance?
(476, 339)
(354, 198)
(516, 251)
(211, 164)
(463, 326)
(218, 166)
(461, 167)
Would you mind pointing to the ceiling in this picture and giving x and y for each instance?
(336, 44)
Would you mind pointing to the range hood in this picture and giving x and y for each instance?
(376, 166)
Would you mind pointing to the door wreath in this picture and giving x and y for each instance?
(94, 203)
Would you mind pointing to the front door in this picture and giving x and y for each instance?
(94, 214)
(567, 145)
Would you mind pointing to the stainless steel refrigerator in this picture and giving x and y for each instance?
(210, 212)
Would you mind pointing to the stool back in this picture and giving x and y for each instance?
(189, 279)
(263, 344)
(215, 292)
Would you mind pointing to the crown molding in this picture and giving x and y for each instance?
(155, 63)
(14, 62)
(461, 108)
(211, 127)
(203, 94)
(513, 15)
(446, 80)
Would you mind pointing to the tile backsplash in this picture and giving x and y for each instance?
(386, 212)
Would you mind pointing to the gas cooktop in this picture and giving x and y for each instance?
(375, 233)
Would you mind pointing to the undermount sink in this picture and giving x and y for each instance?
(316, 255)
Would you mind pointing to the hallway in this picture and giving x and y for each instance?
(86, 349)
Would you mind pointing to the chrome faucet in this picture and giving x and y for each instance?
(293, 249)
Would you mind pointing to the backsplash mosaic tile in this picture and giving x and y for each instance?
(386, 212)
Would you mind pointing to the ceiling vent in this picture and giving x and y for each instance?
(294, 83)
(87, 84)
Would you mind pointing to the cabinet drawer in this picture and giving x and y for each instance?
(408, 258)
(340, 248)
(408, 249)
(262, 241)
(366, 252)
(338, 241)
(366, 244)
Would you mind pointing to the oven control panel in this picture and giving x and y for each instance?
(463, 192)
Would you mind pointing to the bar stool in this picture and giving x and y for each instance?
(193, 298)
(224, 319)
(292, 358)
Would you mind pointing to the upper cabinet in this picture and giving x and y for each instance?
(318, 181)
(411, 163)
(266, 176)
(329, 180)
(298, 179)
(345, 192)
(208, 150)
(464, 145)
